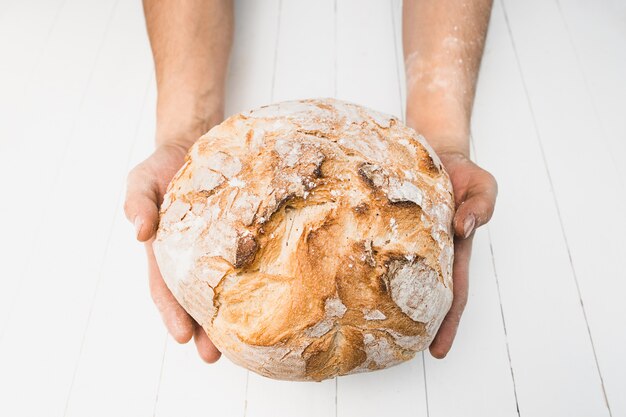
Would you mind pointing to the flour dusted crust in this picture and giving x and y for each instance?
(311, 239)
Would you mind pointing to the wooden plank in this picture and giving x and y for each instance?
(19, 66)
(551, 355)
(619, 7)
(270, 398)
(83, 87)
(595, 31)
(120, 363)
(305, 55)
(573, 137)
(367, 65)
(368, 74)
(253, 58)
(190, 387)
(33, 21)
(123, 323)
(393, 391)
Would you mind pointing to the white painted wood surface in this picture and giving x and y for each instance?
(545, 328)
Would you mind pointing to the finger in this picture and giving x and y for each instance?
(442, 343)
(206, 349)
(180, 324)
(477, 208)
(141, 205)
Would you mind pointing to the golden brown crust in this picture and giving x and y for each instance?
(311, 239)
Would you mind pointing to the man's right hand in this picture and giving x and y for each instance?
(146, 186)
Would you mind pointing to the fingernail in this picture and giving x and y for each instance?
(468, 225)
(138, 223)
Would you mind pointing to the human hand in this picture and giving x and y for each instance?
(475, 193)
(146, 186)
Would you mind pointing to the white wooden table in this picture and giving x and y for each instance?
(544, 333)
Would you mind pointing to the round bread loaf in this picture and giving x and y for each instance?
(311, 239)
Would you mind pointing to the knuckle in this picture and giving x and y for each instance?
(136, 173)
(493, 184)
(131, 189)
(128, 209)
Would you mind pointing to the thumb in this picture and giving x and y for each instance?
(141, 205)
(476, 209)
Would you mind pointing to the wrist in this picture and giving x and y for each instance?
(449, 148)
(442, 118)
(181, 119)
(443, 138)
(444, 134)
(182, 131)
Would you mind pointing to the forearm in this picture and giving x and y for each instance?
(443, 46)
(190, 43)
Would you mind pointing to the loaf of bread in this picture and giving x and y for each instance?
(311, 239)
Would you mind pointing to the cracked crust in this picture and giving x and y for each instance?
(310, 239)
